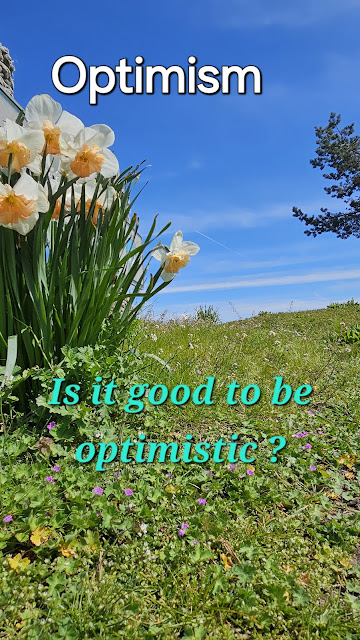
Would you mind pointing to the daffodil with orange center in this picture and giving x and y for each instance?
(176, 257)
(88, 160)
(19, 143)
(20, 205)
(87, 154)
(15, 207)
(104, 198)
(42, 112)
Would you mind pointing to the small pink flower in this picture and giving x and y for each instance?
(231, 467)
(308, 446)
(250, 472)
(49, 479)
(98, 490)
(181, 532)
(51, 425)
(128, 492)
(56, 467)
(310, 413)
(195, 542)
(201, 500)
(312, 467)
(184, 525)
(7, 519)
(169, 475)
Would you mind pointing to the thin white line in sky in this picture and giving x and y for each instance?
(219, 243)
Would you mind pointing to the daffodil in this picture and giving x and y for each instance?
(176, 257)
(45, 114)
(87, 153)
(53, 184)
(22, 144)
(20, 205)
(104, 198)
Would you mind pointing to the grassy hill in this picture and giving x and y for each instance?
(271, 550)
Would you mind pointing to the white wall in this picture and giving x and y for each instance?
(9, 108)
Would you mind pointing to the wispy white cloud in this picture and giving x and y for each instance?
(211, 265)
(195, 164)
(267, 281)
(245, 218)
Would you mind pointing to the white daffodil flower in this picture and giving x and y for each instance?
(45, 114)
(176, 257)
(20, 205)
(53, 185)
(23, 145)
(87, 154)
(104, 199)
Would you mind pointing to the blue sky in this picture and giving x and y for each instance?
(229, 167)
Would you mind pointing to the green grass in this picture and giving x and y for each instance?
(277, 552)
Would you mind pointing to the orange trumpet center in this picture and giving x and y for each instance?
(87, 161)
(21, 155)
(57, 209)
(176, 261)
(15, 207)
(52, 135)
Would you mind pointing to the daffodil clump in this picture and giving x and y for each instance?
(70, 252)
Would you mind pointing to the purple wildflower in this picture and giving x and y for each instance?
(312, 467)
(169, 475)
(195, 541)
(308, 446)
(231, 467)
(117, 473)
(56, 467)
(181, 532)
(310, 413)
(98, 490)
(7, 519)
(128, 492)
(51, 425)
(184, 525)
(250, 472)
(201, 500)
(49, 479)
